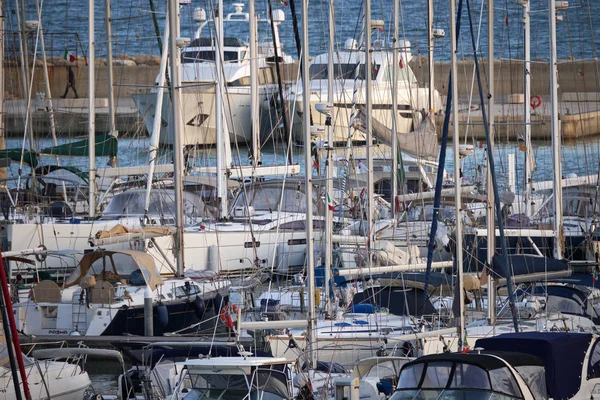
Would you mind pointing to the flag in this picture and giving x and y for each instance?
(595, 276)
(401, 64)
(580, 72)
(69, 56)
(506, 20)
(330, 205)
(283, 2)
(202, 225)
(374, 69)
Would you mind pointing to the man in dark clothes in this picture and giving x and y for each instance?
(70, 83)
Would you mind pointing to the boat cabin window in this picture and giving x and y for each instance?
(318, 225)
(456, 380)
(594, 363)
(342, 71)
(535, 378)
(197, 56)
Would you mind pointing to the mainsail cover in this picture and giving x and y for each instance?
(106, 146)
(29, 157)
(421, 143)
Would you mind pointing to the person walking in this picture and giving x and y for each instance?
(70, 83)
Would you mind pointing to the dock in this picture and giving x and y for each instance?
(579, 116)
(106, 342)
(579, 95)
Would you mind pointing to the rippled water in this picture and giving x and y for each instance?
(66, 22)
(580, 158)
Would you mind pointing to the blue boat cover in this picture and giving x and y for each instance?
(524, 264)
(563, 354)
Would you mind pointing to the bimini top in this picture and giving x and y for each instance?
(116, 264)
(451, 373)
(562, 353)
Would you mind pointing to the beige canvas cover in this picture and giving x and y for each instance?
(47, 292)
(119, 230)
(142, 261)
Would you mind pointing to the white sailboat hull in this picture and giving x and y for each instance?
(234, 251)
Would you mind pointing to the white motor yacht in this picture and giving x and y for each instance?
(199, 77)
(350, 91)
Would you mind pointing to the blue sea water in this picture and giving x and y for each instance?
(66, 25)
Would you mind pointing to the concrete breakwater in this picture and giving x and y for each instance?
(579, 91)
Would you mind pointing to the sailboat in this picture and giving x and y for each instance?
(105, 295)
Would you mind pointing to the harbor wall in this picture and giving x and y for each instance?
(132, 76)
(579, 83)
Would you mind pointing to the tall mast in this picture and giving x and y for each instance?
(2, 144)
(109, 61)
(430, 39)
(369, 111)
(491, 215)
(457, 179)
(47, 89)
(178, 170)
(156, 124)
(22, 23)
(221, 123)
(529, 167)
(92, 109)
(329, 162)
(254, 85)
(395, 149)
(310, 262)
(556, 142)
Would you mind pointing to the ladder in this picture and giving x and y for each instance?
(79, 312)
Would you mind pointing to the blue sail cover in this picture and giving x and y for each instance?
(526, 264)
(563, 355)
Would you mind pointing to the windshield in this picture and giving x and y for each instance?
(342, 71)
(448, 380)
(162, 202)
(192, 56)
(268, 198)
(266, 384)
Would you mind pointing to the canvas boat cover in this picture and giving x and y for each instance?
(119, 230)
(563, 354)
(140, 261)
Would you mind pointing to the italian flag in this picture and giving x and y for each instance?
(284, 3)
(330, 205)
(69, 56)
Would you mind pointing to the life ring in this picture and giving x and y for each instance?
(225, 315)
(535, 101)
